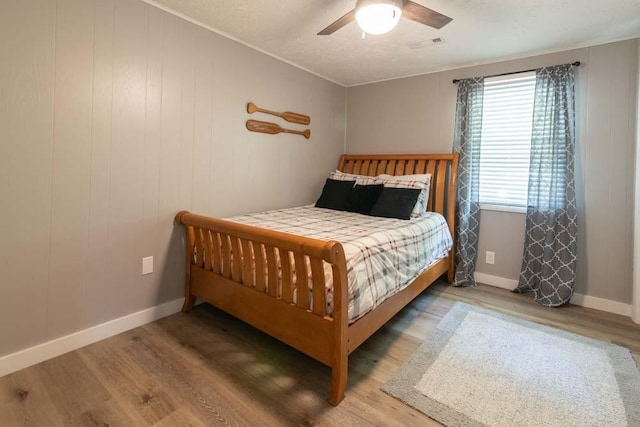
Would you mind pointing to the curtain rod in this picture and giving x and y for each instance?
(575, 64)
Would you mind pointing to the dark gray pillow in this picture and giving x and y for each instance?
(362, 198)
(396, 202)
(334, 194)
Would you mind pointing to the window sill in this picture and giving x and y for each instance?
(499, 208)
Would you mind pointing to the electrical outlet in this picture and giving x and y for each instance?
(147, 265)
(490, 257)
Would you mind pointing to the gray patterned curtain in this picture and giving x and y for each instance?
(548, 272)
(466, 142)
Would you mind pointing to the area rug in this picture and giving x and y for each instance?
(482, 368)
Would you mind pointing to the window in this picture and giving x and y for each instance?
(506, 140)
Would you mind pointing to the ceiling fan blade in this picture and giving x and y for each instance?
(339, 23)
(424, 15)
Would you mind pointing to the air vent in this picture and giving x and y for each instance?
(420, 44)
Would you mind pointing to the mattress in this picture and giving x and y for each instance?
(383, 255)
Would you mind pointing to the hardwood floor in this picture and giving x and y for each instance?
(207, 368)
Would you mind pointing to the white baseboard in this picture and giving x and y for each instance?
(602, 304)
(39, 353)
(577, 299)
(497, 281)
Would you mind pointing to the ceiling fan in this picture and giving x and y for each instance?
(380, 16)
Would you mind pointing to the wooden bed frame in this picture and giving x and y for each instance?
(236, 272)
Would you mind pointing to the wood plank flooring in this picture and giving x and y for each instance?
(207, 368)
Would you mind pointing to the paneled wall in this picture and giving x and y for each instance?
(115, 115)
(417, 115)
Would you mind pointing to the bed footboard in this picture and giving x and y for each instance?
(274, 281)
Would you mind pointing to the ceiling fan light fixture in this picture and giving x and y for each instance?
(378, 17)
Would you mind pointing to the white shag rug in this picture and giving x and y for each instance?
(482, 368)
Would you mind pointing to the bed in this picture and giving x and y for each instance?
(252, 272)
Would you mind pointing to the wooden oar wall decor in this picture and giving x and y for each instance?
(274, 128)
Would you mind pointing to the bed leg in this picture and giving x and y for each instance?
(340, 357)
(189, 300)
(339, 378)
(452, 268)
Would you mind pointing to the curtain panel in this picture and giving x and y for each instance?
(548, 272)
(467, 135)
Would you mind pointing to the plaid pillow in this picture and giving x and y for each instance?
(420, 181)
(359, 179)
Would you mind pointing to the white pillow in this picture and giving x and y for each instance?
(359, 179)
(421, 181)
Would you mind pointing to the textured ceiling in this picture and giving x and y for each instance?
(481, 31)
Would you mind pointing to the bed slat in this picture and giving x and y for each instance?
(409, 169)
(236, 260)
(431, 167)
(319, 293)
(364, 167)
(287, 280)
(248, 263)
(440, 185)
(199, 248)
(258, 253)
(373, 167)
(272, 274)
(302, 274)
(208, 250)
(216, 259)
(226, 255)
(391, 167)
(356, 167)
(317, 274)
(349, 167)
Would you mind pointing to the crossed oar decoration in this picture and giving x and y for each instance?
(273, 128)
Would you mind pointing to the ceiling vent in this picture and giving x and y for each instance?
(420, 44)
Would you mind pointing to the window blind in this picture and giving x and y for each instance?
(506, 139)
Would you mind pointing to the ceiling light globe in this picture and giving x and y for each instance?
(378, 18)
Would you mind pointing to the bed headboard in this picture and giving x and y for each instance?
(442, 167)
